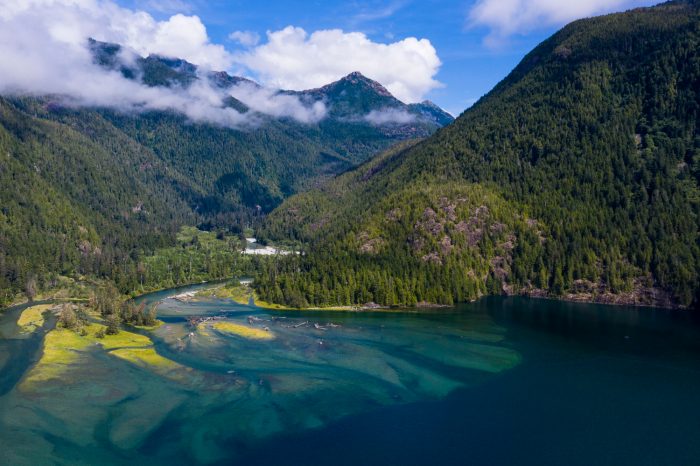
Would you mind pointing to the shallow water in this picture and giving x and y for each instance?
(501, 381)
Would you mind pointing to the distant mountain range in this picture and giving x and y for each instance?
(354, 99)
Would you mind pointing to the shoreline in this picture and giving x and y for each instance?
(603, 302)
(433, 306)
(607, 300)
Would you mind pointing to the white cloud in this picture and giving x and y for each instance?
(389, 116)
(245, 38)
(183, 37)
(293, 59)
(270, 102)
(71, 21)
(43, 45)
(43, 50)
(508, 17)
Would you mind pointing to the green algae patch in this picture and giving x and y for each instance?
(203, 330)
(240, 294)
(138, 350)
(123, 339)
(150, 328)
(244, 331)
(62, 348)
(32, 318)
(146, 358)
(265, 305)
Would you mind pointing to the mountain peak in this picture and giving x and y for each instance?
(356, 78)
(355, 74)
(429, 103)
(433, 112)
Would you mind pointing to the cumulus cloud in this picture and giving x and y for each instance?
(508, 17)
(293, 59)
(388, 116)
(71, 21)
(245, 38)
(43, 45)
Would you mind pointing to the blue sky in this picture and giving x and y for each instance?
(469, 69)
(472, 63)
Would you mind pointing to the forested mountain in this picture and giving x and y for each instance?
(576, 176)
(89, 190)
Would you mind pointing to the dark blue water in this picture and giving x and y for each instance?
(597, 385)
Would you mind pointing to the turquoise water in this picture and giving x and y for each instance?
(500, 381)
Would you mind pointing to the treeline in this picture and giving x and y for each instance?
(319, 283)
(111, 307)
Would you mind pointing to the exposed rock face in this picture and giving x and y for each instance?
(584, 291)
(449, 208)
(369, 245)
(433, 258)
(429, 224)
(394, 215)
(448, 229)
(445, 245)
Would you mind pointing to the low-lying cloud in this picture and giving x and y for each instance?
(271, 102)
(293, 59)
(387, 116)
(44, 50)
(506, 18)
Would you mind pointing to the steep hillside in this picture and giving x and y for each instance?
(576, 177)
(75, 204)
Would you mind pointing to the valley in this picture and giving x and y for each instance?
(219, 246)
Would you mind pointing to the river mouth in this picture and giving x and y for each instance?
(225, 383)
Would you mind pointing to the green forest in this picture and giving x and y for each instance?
(577, 177)
(90, 192)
